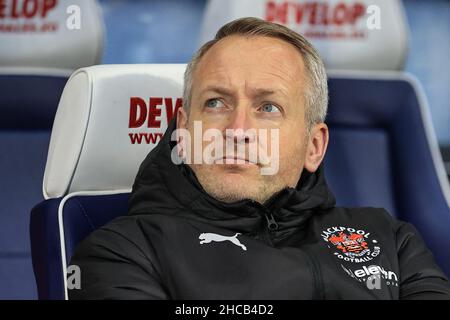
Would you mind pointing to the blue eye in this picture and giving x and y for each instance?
(214, 103)
(269, 107)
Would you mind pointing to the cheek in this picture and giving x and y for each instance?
(292, 150)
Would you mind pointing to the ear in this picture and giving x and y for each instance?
(181, 124)
(317, 146)
(181, 118)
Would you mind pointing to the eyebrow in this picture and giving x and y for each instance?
(257, 92)
(217, 89)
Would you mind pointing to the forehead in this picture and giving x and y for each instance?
(251, 59)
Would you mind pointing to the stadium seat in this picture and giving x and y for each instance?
(59, 34)
(102, 132)
(25, 126)
(348, 35)
(383, 152)
(37, 56)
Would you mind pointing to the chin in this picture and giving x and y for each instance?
(233, 194)
(238, 185)
(236, 175)
(232, 182)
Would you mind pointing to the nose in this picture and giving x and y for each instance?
(240, 128)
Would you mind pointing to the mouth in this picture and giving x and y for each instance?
(235, 160)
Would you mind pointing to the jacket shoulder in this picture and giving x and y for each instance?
(117, 262)
(374, 216)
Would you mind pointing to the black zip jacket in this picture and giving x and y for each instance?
(177, 242)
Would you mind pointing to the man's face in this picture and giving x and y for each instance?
(250, 83)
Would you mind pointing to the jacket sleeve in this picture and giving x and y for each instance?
(114, 267)
(420, 277)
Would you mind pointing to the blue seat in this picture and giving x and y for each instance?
(27, 107)
(382, 153)
(83, 188)
(80, 215)
(34, 67)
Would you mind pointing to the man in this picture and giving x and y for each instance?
(220, 228)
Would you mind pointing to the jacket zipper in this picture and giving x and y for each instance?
(272, 226)
(269, 227)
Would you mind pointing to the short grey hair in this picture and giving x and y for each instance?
(316, 93)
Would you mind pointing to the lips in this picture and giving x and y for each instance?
(235, 160)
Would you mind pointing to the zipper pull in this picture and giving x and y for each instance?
(272, 225)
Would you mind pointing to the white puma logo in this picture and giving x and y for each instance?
(208, 237)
